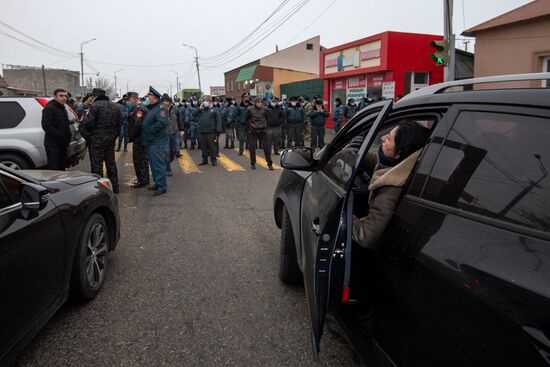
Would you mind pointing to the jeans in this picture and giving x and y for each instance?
(317, 134)
(157, 161)
(295, 135)
(173, 149)
(273, 137)
(208, 143)
(253, 138)
(57, 156)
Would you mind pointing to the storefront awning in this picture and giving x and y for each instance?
(246, 74)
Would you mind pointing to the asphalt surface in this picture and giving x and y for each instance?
(193, 282)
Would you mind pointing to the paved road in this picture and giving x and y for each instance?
(193, 282)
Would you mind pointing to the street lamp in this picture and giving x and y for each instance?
(127, 87)
(196, 63)
(116, 90)
(177, 80)
(82, 63)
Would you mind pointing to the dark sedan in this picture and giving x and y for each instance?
(55, 231)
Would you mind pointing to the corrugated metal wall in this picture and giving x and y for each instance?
(308, 88)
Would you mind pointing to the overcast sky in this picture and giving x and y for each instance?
(136, 32)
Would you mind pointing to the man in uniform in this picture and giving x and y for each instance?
(175, 127)
(123, 133)
(242, 124)
(136, 113)
(210, 126)
(294, 118)
(338, 114)
(230, 121)
(155, 137)
(102, 123)
(308, 107)
(193, 123)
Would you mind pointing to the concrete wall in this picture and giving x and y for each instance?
(512, 49)
(296, 57)
(281, 76)
(31, 79)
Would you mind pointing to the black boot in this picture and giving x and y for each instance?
(232, 145)
(192, 146)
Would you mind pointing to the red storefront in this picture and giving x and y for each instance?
(385, 65)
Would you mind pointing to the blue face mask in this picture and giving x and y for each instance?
(129, 104)
(146, 103)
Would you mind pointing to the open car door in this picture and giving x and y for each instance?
(327, 213)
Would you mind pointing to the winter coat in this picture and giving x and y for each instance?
(256, 118)
(135, 119)
(231, 116)
(241, 114)
(175, 123)
(294, 115)
(318, 119)
(55, 123)
(154, 128)
(339, 113)
(274, 116)
(103, 120)
(184, 116)
(385, 189)
(210, 120)
(351, 110)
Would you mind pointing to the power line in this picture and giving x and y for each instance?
(282, 21)
(281, 5)
(36, 47)
(313, 21)
(142, 65)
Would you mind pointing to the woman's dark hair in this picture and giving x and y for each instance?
(409, 138)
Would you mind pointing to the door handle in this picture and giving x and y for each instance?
(315, 227)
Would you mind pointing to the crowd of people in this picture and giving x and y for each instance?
(159, 126)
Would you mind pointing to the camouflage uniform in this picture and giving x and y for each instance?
(102, 123)
(139, 151)
(307, 120)
(230, 121)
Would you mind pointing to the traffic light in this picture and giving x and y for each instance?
(441, 54)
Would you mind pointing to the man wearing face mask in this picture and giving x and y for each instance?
(274, 122)
(230, 121)
(294, 118)
(175, 126)
(209, 127)
(218, 107)
(338, 114)
(123, 133)
(136, 113)
(193, 124)
(318, 118)
(241, 121)
(351, 109)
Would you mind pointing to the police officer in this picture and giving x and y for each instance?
(210, 127)
(242, 124)
(155, 137)
(175, 128)
(351, 109)
(102, 124)
(230, 122)
(338, 114)
(136, 113)
(193, 123)
(294, 118)
(123, 133)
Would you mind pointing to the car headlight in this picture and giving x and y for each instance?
(106, 183)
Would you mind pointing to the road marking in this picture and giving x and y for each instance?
(260, 161)
(187, 164)
(228, 164)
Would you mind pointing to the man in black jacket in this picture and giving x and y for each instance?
(102, 123)
(136, 113)
(55, 123)
(274, 123)
(256, 118)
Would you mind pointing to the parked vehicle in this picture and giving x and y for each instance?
(463, 274)
(56, 228)
(22, 137)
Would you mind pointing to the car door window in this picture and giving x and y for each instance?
(9, 191)
(11, 114)
(495, 164)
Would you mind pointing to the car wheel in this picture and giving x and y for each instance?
(289, 272)
(13, 161)
(90, 262)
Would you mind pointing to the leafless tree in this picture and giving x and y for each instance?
(102, 83)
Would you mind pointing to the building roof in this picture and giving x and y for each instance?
(246, 73)
(527, 12)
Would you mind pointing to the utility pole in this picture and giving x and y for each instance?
(116, 90)
(450, 37)
(82, 63)
(197, 64)
(44, 81)
(177, 81)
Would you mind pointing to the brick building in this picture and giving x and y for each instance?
(31, 79)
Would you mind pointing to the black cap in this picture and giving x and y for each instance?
(98, 92)
(165, 97)
(131, 95)
(245, 94)
(154, 92)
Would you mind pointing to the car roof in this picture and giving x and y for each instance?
(537, 97)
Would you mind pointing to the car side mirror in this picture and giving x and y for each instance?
(33, 197)
(300, 159)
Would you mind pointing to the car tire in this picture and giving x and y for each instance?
(90, 261)
(14, 161)
(289, 272)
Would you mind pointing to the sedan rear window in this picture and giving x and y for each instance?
(11, 114)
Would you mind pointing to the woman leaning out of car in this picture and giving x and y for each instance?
(389, 171)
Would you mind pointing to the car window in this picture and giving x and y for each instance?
(495, 164)
(11, 114)
(339, 167)
(9, 191)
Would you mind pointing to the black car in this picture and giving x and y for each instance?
(56, 228)
(463, 274)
